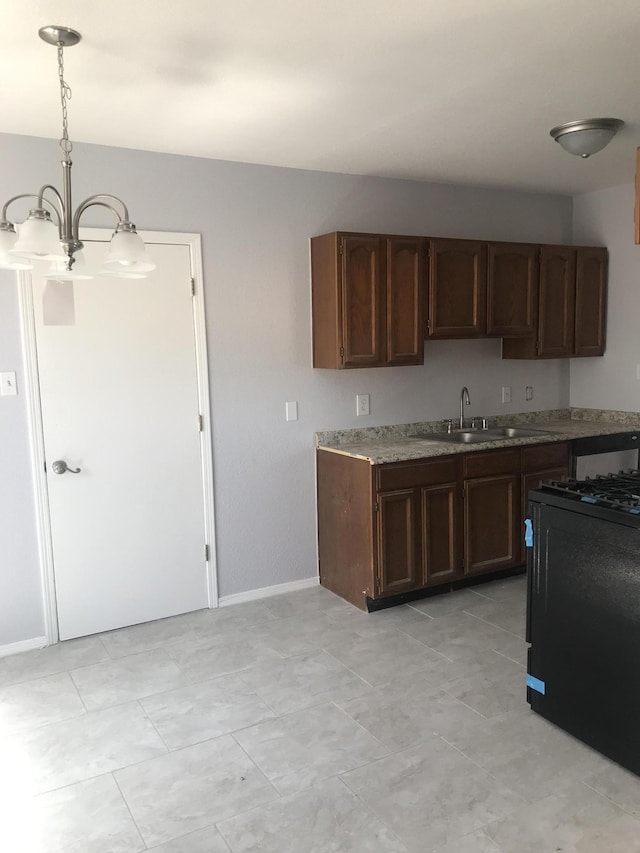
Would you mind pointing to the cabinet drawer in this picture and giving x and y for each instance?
(541, 457)
(413, 474)
(491, 462)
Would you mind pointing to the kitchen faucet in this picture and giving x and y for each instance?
(464, 397)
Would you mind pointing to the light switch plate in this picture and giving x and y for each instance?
(291, 411)
(506, 393)
(8, 387)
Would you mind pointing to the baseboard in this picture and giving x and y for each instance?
(267, 591)
(23, 646)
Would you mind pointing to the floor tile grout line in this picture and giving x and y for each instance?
(493, 625)
(605, 797)
(368, 683)
(370, 810)
(153, 726)
(128, 807)
(258, 767)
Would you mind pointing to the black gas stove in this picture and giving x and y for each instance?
(618, 493)
(583, 610)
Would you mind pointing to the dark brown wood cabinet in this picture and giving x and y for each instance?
(368, 300)
(491, 510)
(457, 289)
(377, 297)
(541, 462)
(590, 301)
(401, 527)
(417, 509)
(512, 289)
(571, 306)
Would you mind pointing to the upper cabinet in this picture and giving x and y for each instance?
(512, 289)
(571, 306)
(368, 298)
(590, 301)
(377, 297)
(457, 289)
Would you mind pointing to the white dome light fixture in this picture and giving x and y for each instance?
(587, 136)
(51, 230)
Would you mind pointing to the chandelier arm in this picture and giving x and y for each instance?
(60, 209)
(99, 200)
(41, 201)
(94, 201)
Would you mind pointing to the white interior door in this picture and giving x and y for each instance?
(118, 379)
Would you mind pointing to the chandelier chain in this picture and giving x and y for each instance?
(65, 95)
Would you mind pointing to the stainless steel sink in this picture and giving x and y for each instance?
(475, 436)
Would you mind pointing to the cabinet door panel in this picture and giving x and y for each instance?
(439, 511)
(556, 302)
(512, 289)
(404, 296)
(532, 481)
(397, 546)
(590, 307)
(457, 289)
(362, 301)
(492, 516)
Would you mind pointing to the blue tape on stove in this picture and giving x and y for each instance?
(528, 533)
(536, 684)
(588, 500)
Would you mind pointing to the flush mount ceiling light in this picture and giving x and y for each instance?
(587, 136)
(50, 231)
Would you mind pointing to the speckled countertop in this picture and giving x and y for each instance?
(402, 443)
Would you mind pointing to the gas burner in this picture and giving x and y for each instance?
(616, 491)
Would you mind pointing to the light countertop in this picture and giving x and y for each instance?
(401, 443)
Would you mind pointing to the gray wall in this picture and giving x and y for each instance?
(605, 218)
(256, 222)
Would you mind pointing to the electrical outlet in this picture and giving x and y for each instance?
(362, 404)
(528, 392)
(506, 393)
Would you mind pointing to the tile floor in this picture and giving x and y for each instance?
(297, 724)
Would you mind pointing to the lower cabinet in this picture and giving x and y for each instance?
(389, 529)
(416, 538)
(491, 523)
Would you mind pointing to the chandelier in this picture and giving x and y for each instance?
(50, 231)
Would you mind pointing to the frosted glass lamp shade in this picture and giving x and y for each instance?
(588, 136)
(58, 270)
(39, 240)
(7, 261)
(127, 253)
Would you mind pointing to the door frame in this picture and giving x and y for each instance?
(36, 426)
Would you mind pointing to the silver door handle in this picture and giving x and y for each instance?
(61, 467)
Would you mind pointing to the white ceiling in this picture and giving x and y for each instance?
(461, 91)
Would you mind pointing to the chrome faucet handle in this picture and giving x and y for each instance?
(450, 425)
(478, 422)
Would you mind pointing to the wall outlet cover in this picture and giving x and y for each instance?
(8, 387)
(506, 393)
(362, 404)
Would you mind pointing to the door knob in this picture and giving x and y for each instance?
(61, 467)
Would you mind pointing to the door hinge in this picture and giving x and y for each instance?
(429, 329)
(200, 423)
(193, 287)
(377, 585)
(341, 248)
(341, 353)
(206, 553)
(376, 507)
